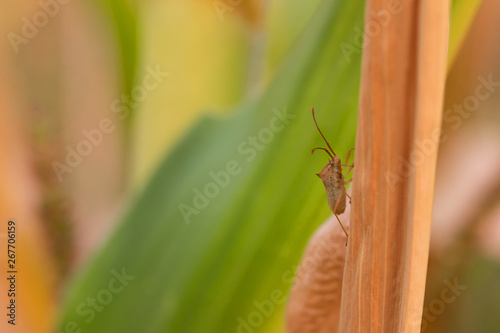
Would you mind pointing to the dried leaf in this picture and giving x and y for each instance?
(403, 76)
(314, 303)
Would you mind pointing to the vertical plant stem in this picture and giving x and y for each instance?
(402, 85)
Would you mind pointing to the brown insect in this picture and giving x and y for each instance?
(334, 180)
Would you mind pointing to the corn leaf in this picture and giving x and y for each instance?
(230, 264)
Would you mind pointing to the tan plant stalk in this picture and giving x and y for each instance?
(402, 85)
(314, 302)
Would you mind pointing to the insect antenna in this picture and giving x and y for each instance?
(323, 135)
(327, 151)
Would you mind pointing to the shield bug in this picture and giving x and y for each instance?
(333, 179)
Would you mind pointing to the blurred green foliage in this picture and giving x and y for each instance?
(206, 272)
(462, 16)
(202, 276)
(124, 19)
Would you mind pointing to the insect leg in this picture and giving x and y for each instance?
(349, 170)
(348, 155)
(347, 162)
(348, 196)
(336, 205)
(347, 236)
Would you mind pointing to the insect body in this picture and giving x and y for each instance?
(334, 180)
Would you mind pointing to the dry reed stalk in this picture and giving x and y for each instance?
(402, 85)
(314, 303)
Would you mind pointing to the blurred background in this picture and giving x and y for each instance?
(156, 159)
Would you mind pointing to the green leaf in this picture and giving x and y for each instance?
(124, 19)
(201, 276)
(234, 261)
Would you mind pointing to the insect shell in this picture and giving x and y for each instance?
(333, 180)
